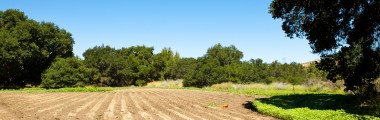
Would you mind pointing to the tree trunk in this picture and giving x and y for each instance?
(294, 91)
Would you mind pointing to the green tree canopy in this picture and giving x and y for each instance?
(106, 62)
(120, 67)
(69, 72)
(184, 66)
(225, 55)
(219, 64)
(162, 61)
(27, 48)
(345, 33)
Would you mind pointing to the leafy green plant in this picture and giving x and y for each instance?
(312, 106)
(140, 82)
(69, 72)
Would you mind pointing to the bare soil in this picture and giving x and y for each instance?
(154, 104)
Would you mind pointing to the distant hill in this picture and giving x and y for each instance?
(307, 64)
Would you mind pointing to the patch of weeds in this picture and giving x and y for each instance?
(212, 104)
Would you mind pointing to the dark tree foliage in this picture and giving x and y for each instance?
(184, 66)
(293, 73)
(224, 55)
(134, 65)
(254, 70)
(345, 33)
(314, 74)
(166, 64)
(140, 62)
(27, 48)
(219, 64)
(137, 65)
(222, 64)
(173, 68)
(106, 63)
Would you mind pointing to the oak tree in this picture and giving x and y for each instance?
(28, 47)
(345, 33)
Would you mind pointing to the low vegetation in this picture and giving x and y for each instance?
(280, 86)
(257, 88)
(309, 102)
(166, 84)
(313, 106)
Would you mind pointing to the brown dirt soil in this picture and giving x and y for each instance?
(149, 103)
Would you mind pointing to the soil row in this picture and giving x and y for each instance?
(154, 104)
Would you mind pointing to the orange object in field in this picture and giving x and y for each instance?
(225, 106)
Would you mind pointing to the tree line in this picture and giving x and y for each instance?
(40, 53)
(223, 64)
(138, 65)
(344, 33)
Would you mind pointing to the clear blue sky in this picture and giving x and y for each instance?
(189, 27)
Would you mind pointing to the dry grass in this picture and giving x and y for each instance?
(277, 86)
(166, 84)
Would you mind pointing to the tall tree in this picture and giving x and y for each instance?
(225, 55)
(27, 48)
(163, 62)
(141, 58)
(120, 67)
(184, 66)
(172, 67)
(103, 59)
(345, 33)
(254, 70)
(295, 73)
(219, 64)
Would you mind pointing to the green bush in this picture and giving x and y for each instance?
(69, 72)
(140, 82)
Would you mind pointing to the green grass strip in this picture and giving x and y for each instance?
(305, 113)
(83, 89)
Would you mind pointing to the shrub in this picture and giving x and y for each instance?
(140, 82)
(69, 72)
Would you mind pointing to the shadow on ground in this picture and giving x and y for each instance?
(249, 105)
(315, 101)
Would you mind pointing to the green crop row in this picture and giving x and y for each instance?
(306, 113)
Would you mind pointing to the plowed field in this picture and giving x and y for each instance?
(154, 104)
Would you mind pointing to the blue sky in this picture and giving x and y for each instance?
(189, 27)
